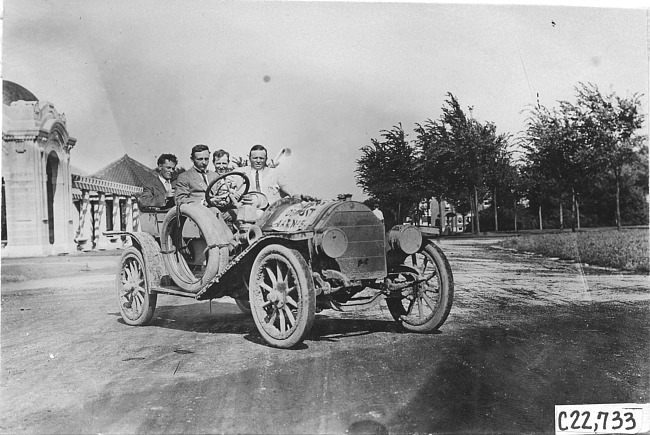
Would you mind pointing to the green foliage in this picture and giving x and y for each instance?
(463, 157)
(583, 149)
(588, 151)
(388, 172)
(627, 250)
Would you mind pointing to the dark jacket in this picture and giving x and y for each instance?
(154, 194)
(190, 186)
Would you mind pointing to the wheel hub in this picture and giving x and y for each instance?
(278, 296)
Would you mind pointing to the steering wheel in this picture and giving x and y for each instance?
(224, 190)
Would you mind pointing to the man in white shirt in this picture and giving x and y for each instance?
(378, 213)
(269, 181)
(160, 192)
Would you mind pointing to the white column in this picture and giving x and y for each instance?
(116, 241)
(136, 217)
(128, 214)
(100, 222)
(84, 232)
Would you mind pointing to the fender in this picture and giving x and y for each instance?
(153, 261)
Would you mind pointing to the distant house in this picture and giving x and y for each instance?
(452, 221)
(105, 201)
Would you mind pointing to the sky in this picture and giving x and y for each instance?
(144, 77)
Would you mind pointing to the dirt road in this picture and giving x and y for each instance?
(525, 334)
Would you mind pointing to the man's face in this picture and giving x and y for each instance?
(258, 159)
(201, 160)
(166, 169)
(221, 164)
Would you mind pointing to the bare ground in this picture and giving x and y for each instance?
(525, 333)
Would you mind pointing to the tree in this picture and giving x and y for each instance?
(462, 153)
(608, 124)
(389, 172)
(559, 161)
(578, 147)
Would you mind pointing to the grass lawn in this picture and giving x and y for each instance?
(625, 249)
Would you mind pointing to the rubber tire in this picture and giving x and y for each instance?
(244, 306)
(214, 232)
(145, 302)
(304, 293)
(445, 301)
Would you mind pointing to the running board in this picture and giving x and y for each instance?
(173, 290)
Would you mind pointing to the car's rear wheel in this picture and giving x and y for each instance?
(137, 305)
(282, 297)
(424, 305)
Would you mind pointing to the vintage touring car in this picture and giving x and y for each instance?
(282, 263)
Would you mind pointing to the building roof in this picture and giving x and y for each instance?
(126, 170)
(14, 92)
(91, 184)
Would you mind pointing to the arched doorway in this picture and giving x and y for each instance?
(52, 170)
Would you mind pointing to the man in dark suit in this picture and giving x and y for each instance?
(191, 184)
(160, 192)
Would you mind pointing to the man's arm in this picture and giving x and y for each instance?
(182, 191)
(148, 197)
(284, 186)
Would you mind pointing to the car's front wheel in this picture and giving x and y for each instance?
(282, 297)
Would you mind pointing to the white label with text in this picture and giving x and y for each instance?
(613, 418)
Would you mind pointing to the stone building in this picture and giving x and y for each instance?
(38, 217)
(46, 209)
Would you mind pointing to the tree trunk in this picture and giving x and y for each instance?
(561, 214)
(440, 215)
(573, 210)
(478, 223)
(618, 202)
(541, 227)
(578, 212)
(515, 208)
(496, 217)
(399, 213)
(473, 212)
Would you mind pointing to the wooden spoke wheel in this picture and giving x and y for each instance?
(282, 297)
(425, 305)
(137, 305)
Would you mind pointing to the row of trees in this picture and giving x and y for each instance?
(588, 154)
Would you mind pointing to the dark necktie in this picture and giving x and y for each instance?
(257, 181)
(205, 179)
